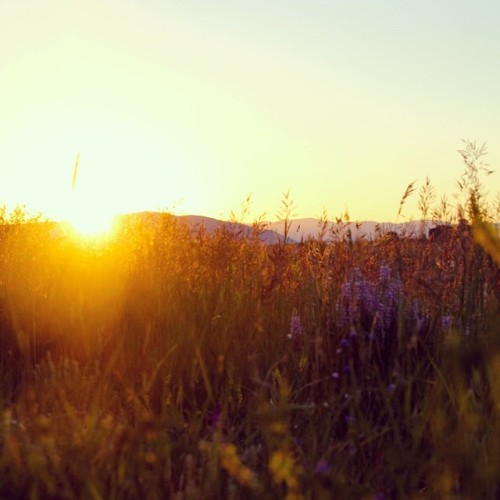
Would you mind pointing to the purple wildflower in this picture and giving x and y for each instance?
(445, 323)
(384, 275)
(322, 467)
(365, 296)
(356, 298)
(214, 417)
(295, 326)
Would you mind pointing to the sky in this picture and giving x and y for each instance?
(192, 105)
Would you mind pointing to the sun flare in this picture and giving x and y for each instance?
(92, 225)
(91, 221)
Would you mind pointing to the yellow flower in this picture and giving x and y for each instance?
(232, 464)
(281, 466)
(284, 468)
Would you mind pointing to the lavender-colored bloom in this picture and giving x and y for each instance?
(322, 467)
(295, 326)
(214, 417)
(344, 343)
(366, 305)
(384, 275)
(365, 294)
(417, 319)
(346, 289)
(391, 388)
(446, 323)
(356, 297)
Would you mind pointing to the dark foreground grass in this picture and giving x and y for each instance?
(172, 364)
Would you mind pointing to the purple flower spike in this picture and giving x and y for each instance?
(445, 323)
(384, 274)
(295, 326)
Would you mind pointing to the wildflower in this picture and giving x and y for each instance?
(365, 295)
(295, 332)
(284, 469)
(357, 299)
(391, 388)
(281, 466)
(214, 417)
(322, 467)
(384, 275)
(295, 327)
(346, 289)
(445, 323)
(232, 464)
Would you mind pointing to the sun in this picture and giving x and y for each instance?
(93, 225)
(91, 220)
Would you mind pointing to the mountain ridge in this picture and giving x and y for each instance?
(302, 229)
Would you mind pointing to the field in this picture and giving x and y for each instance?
(167, 363)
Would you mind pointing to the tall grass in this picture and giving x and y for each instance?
(169, 363)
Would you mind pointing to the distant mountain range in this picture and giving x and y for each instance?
(299, 229)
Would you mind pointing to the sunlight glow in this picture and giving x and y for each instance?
(92, 225)
(91, 220)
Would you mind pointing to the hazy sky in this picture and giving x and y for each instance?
(190, 105)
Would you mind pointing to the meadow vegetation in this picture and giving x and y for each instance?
(171, 363)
